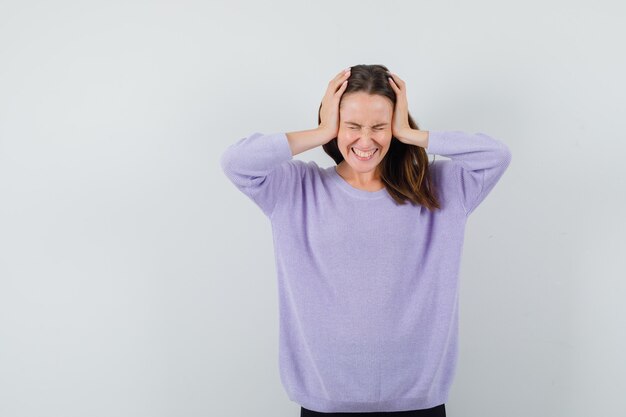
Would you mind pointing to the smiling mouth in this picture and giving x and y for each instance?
(363, 156)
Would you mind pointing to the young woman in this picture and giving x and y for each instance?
(368, 251)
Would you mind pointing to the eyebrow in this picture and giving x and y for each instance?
(376, 125)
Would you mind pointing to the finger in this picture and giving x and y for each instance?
(398, 88)
(336, 82)
(393, 84)
(342, 74)
(395, 77)
(342, 88)
(340, 91)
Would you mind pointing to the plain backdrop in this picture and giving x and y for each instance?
(135, 280)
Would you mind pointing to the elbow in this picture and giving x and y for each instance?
(504, 155)
(226, 162)
(499, 148)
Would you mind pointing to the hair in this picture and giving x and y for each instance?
(404, 168)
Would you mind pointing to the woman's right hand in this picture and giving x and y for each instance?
(329, 111)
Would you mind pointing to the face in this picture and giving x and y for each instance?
(364, 125)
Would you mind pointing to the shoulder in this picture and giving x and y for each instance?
(293, 167)
(295, 171)
(306, 168)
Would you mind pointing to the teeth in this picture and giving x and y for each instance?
(362, 154)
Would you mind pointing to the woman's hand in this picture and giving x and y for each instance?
(400, 124)
(329, 112)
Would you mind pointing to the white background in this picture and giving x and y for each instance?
(135, 280)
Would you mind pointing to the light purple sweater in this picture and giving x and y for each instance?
(368, 290)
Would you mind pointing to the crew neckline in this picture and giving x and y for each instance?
(357, 192)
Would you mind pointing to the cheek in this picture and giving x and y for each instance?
(345, 139)
(342, 142)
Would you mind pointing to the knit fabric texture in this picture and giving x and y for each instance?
(367, 288)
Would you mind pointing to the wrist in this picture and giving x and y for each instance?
(414, 137)
(326, 134)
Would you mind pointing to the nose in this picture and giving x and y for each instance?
(366, 133)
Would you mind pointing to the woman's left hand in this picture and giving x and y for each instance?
(400, 124)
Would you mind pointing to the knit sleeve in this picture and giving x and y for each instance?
(479, 162)
(260, 165)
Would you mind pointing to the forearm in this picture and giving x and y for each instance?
(415, 137)
(303, 140)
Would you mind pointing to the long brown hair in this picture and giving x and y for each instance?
(404, 169)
